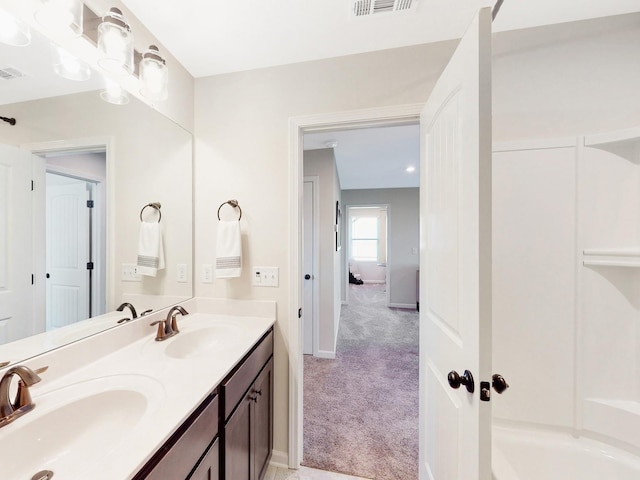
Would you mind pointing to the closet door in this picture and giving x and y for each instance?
(455, 283)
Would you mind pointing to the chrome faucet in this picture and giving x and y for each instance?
(10, 410)
(168, 327)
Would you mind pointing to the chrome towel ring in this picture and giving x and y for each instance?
(154, 205)
(234, 204)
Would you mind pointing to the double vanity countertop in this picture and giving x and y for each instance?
(108, 402)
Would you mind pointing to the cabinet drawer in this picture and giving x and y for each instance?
(209, 465)
(234, 387)
(176, 459)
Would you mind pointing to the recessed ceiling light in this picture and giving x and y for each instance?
(411, 169)
(331, 143)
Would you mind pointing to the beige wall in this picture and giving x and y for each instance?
(242, 152)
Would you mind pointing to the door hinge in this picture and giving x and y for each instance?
(89, 265)
(33, 279)
(89, 203)
(300, 313)
(32, 185)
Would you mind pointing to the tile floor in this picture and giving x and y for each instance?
(278, 473)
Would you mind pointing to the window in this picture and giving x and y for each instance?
(364, 238)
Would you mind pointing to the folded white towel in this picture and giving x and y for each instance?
(150, 249)
(229, 250)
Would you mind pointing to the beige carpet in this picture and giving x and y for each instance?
(361, 408)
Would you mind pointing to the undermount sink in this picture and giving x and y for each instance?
(77, 426)
(201, 339)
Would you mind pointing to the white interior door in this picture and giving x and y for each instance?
(67, 251)
(16, 264)
(308, 246)
(455, 283)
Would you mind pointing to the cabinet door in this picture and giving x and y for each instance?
(209, 465)
(263, 420)
(237, 442)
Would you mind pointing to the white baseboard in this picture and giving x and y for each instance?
(325, 354)
(411, 306)
(279, 459)
(374, 281)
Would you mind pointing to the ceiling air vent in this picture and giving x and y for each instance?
(8, 72)
(364, 8)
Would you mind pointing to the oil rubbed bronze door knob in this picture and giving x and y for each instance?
(466, 379)
(498, 383)
(307, 277)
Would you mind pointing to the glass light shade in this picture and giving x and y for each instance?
(13, 31)
(154, 75)
(115, 44)
(114, 93)
(62, 18)
(68, 66)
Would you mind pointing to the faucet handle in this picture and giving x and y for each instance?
(160, 332)
(174, 323)
(23, 397)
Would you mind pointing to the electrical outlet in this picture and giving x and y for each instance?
(207, 273)
(265, 277)
(182, 273)
(129, 273)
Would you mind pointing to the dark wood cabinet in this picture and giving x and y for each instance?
(247, 437)
(208, 468)
(187, 447)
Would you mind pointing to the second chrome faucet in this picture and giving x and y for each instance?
(168, 327)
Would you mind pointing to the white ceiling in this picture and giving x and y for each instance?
(373, 157)
(214, 36)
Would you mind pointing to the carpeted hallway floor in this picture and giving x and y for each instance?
(361, 408)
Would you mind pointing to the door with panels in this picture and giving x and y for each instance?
(455, 283)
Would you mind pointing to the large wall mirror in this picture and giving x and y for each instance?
(69, 246)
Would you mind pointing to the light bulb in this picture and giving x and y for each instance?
(62, 18)
(12, 31)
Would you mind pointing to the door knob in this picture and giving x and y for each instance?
(307, 276)
(498, 383)
(466, 379)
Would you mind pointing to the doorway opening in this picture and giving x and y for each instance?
(75, 240)
(353, 200)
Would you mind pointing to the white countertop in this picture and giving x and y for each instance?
(129, 356)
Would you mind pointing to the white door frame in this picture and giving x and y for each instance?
(86, 144)
(314, 180)
(298, 126)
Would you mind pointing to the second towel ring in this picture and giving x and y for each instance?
(156, 206)
(234, 204)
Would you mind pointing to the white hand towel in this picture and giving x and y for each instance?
(150, 249)
(229, 250)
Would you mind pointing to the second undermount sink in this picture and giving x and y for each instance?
(204, 338)
(76, 427)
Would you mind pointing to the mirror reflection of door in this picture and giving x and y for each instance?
(75, 240)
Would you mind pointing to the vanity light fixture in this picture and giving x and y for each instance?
(13, 32)
(62, 18)
(410, 169)
(154, 74)
(115, 43)
(69, 66)
(114, 93)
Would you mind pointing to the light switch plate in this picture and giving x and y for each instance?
(182, 273)
(129, 273)
(207, 273)
(265, 276)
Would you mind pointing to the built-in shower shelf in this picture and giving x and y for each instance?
(612, 257)
(625, 143)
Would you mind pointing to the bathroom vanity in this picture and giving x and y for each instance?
(238, 414)
(121, 405)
